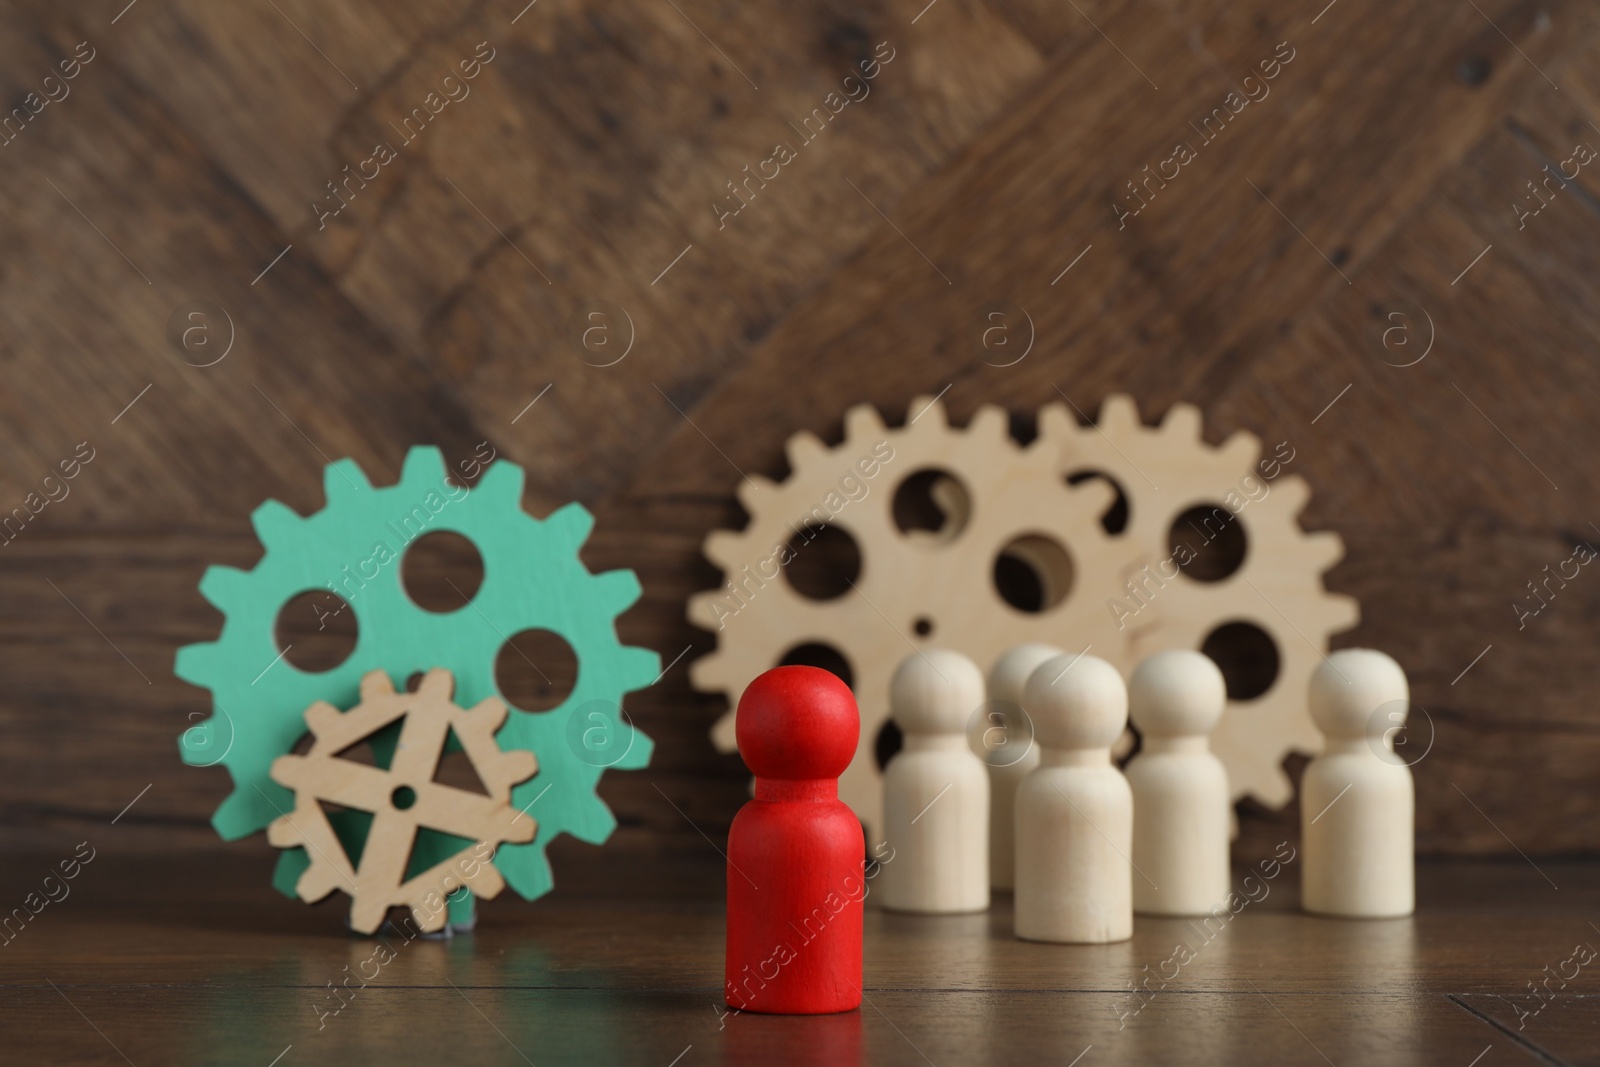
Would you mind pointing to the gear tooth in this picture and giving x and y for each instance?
(342, 480)
(436, 680)
(722, 731)
(991, 421)
(1182, 420)
(222, 586)
(1241, 450)
(863, 420)
(703, 610)
(520, 764)
(1273, 788)
(637, 757)
(1323, 549)
(751, 488)
(286, 771)
(276, 523)
(526, 869)
(503, 479)
(1343, 612)
(1056, 422)
(723, 547)
(243, 813)
(321, 716)
(373, 684)
(1119, 413)
(367, 915)
(281, 833)
(592, 821)
(1295, 492)
(927, 409)
(570, 524)
(637, 668)
(199, 745)
(803, 448)
(618, 590)
(489, 882)
(494, 711)
(194, 663)
(424, 465)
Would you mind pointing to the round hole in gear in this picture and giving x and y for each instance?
(1208, 542)
(535, 670)
(822, 563)
(1115, 518)
(1033, 573)
(441, 571)
(316, 630)
(403, 797)
(1247, 657)
(932, 501)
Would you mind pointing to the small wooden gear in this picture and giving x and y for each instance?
(402, 799)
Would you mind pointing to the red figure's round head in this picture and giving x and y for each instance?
(797, 723)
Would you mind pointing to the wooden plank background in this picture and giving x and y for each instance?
(189, 150)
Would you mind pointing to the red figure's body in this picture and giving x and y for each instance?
(795, 852)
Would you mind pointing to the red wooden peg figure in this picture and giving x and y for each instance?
(795, 852)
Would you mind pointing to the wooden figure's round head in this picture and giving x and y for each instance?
(797, 723)
(935, 692)
(1076, 702)
(1350, 685)
(1010, 672)
(1177, 693)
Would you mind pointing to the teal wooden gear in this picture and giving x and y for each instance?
(532, 579)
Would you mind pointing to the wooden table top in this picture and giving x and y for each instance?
(622, 965)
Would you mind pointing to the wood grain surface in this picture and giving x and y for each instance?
(132, 966)
(191, 160)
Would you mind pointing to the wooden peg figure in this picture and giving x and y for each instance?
(1357, 801)
(795, 852)
(935, 791)
(1004, 740)
(1181, 801)
(1074, 811)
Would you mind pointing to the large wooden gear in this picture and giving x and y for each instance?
(922, 589)
(917, 589)
(1166, 471)
(402, 799)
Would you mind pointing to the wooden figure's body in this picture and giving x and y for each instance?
(935, 791)
(795, 852)
(1180, 789)
(1005, 742)
(1357, 799)
(1074, 829)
